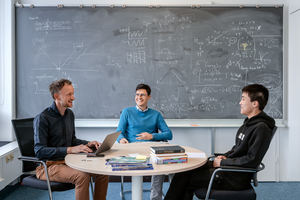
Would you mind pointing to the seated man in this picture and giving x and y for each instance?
(252, 142)
(141, 124)
(54, 138)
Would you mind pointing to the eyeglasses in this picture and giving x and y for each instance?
(141, 95)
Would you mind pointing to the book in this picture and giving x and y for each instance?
(130, 165)
(123, 163)
(170, 157)
(127, 160)
(167, 160)
(171, 161)
(174, 161)
(167, 154)
(126, 168)
(167, 149)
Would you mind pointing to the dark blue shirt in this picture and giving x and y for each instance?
(54, 133)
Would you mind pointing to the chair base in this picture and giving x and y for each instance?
(248, 194)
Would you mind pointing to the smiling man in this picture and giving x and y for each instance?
(251, 144)
(54, 138)
(141, 124)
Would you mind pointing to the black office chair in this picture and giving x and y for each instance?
(25, 138)
(247, 194)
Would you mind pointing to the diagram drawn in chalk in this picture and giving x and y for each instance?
(171, 76)
(39, 90)
(76, 52)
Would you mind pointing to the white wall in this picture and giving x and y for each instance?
(282, 160)
(6, 70)
(293, 137)
(294, 6)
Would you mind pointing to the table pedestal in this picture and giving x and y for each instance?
(137, 187)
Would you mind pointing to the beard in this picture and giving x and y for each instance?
(66, 104)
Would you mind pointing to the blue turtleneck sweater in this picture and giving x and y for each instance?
(133, 122)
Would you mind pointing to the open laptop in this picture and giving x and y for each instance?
(107, 143)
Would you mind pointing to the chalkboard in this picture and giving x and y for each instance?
(195, 60)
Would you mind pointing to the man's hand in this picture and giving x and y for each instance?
(78, 149)
(123, 141)
(144, 136)
(84, 148)
(217, 161)
(221, 157)
(94, 144)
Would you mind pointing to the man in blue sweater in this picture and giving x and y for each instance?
(141, 124)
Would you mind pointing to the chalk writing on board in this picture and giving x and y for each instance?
(52, 25)
(195, 60)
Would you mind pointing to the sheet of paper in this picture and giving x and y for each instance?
(141, 157)
(133, 154)
(195, 155)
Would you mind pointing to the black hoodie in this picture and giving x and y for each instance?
(251, 144)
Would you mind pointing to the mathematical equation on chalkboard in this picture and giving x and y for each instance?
(196, 61)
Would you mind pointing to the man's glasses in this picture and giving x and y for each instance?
(140, 95)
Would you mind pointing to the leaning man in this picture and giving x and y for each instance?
(54, 138)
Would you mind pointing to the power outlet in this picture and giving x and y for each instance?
(11, 156)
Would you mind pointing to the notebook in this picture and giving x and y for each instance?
(107, 143)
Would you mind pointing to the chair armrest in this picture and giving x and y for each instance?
(257, 169)
(237, 168)
(250, 170)
(30, 159)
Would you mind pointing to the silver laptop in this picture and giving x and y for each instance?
(107, 143)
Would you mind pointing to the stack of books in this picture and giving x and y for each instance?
(168, 154)
(129, 163)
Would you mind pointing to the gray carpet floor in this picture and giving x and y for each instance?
(265, 191)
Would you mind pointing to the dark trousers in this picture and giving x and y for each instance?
(184, 184)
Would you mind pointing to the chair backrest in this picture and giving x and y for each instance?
(273, 132)
(262, 166)
(25, 137)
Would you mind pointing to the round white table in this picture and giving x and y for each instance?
(97, 165)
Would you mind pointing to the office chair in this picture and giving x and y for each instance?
(25, 138)
(247, 194)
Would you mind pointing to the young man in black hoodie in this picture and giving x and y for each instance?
(251, 144)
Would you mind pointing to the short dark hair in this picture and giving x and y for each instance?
(257, 92)
(57, 85)
(143, 86)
